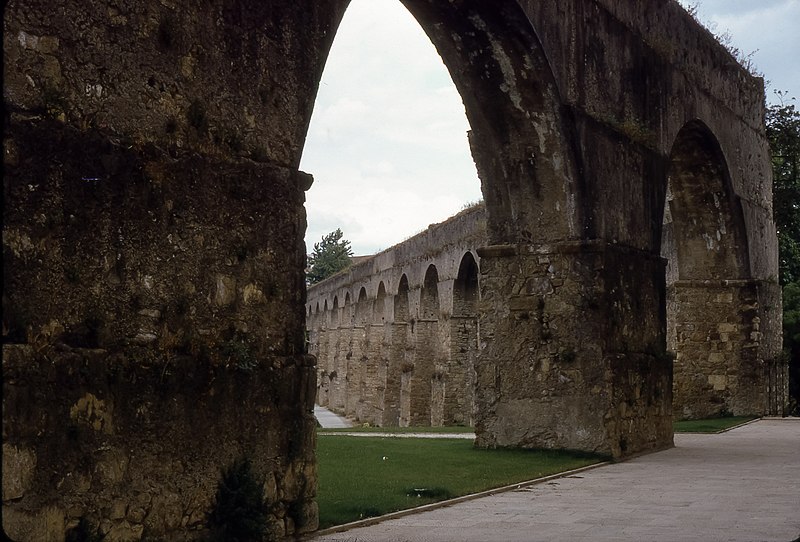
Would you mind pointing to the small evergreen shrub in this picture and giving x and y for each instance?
(239, 513)
(84, 531)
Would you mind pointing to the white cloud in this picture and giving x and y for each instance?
(387, 143)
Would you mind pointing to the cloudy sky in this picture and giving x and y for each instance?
(387, 144)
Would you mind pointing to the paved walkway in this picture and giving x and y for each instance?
(384, 434)
(739, 486)
(329, 420)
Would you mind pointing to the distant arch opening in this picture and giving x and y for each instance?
(401, 301)
(464, 334)
(380, 304)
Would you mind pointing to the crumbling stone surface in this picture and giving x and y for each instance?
(716, 323)
(123, 348)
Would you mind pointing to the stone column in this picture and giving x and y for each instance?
(573, 349)
(159, 341)
(395, 344)
(715, 332)
(373, 384)
(346, 368)
(461, 372)
(419, 377)
(357, 385)
(318, 341)
(338, 367)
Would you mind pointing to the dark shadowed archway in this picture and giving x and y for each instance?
(464, 340)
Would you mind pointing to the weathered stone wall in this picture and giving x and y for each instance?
(718, 341)
(150, 319)
(153, 262)
(590, 379)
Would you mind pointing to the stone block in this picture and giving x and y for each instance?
(225, 290)
(19, 466)
(718, 382)
(48, 524)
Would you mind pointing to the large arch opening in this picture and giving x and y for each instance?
(429, 379)
(710, 301)
(381, 332)
(387, 141)
(465, 337)
(521, 142)
(401, 364)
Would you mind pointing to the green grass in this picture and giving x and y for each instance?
(361, 429)
(711, 425)
(355, 481)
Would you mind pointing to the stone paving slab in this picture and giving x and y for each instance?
(738, 486)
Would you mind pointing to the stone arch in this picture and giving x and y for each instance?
(711, 303)
(380, 304)
(395, 408)
(429, 308)
(401, 312)
(513, 105)
(363, 366)
(348, 363)
(330, 391)
(520, 138)
(363, 312)
(428, 385)
(465, 289)
(347, 311)
(336, 317)
(380, 344)
(704, 236)
(400, 372)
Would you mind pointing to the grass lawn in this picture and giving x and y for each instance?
(711, 425)
(363, 477)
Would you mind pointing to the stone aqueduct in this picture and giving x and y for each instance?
(153, 255)
(396, 335)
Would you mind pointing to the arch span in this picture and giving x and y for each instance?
(712, 320)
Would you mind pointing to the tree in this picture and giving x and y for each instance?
(791, 341)
(329, 256)
(783, 132)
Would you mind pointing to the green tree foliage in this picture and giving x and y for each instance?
(783, 132)
(791, 340)
(329, 256)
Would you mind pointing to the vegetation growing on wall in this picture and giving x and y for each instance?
(329, 256)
